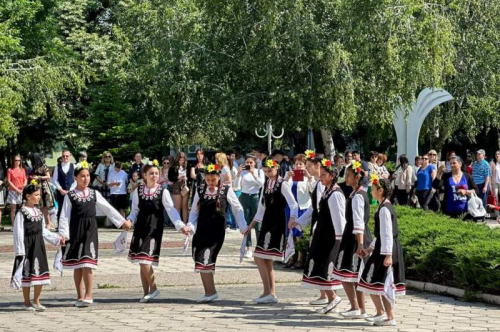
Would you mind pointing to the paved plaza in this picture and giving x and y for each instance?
(118, 289)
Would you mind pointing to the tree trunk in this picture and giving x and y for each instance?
(326, 136)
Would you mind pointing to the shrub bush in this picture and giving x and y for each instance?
(448, 251)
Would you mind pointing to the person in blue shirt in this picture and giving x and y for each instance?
(457, 187)
(425, 175)
(481, 174)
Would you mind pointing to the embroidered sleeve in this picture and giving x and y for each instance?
(19, 234)
(113, 215)
(168, 205)
(193, 214)
(336, 203)
(286, 191)
(64, 219)
(358, 214)
(386, 236)
(237, 209)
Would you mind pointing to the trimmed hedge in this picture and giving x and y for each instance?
(448, 251)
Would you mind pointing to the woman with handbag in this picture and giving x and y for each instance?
(457, 187)
(180, 190)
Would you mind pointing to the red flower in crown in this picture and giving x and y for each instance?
(358, 170)
(328, 163)
(216, 167)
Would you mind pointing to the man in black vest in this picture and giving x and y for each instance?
(63, 178)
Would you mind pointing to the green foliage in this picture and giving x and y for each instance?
(153, 73)
(450, 251)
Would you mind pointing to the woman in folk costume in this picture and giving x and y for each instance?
(386, 260)
(78, 225)
(325, 240)
(271, 214)
(356, 236)
(207, 220)
(313, 166)
(148, 202)
(29, 247)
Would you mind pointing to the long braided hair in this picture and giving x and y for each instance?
(334, 172)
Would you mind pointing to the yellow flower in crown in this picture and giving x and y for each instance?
(310, 154)
(271, 163)
(212, 169)
(374, 179)
(356, 166)
(326, 163)
(84, 165)
(156, 163)
(34, 182)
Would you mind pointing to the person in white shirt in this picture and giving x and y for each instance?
(251, 180)
(495, 177)
(117, 183)
(225, 175)
(233, 166)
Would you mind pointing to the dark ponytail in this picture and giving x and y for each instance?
(385, 184)
(28, 190)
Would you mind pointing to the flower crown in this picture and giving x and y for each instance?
(34, 182)
(271, 163)
(310, 154)
(212, 169)
(82, 165)
(327, 164)
(375, 180)
(154, 163)
(356, 166)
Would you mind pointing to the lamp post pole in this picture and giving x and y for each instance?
(270, 135)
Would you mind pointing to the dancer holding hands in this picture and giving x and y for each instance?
(29, 248)
(149, 200)
(207, 220)
(271, 214)
(325, 240)
(78, 225)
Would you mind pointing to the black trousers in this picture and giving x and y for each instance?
(424, 197)
(402, 196)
